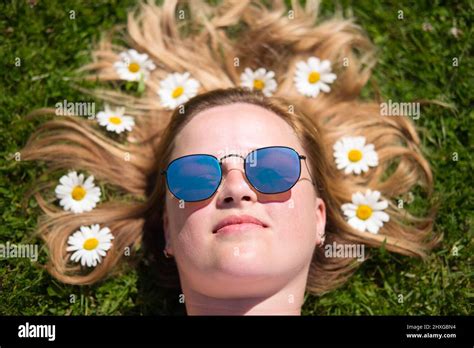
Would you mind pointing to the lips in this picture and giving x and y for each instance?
(237, 220)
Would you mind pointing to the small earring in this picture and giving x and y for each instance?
(322, 238)
(168, 256)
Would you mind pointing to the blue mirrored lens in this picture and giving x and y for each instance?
(193, 178)
(273, 170)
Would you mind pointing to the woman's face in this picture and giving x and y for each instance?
(244, 263)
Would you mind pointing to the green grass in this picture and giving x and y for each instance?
(413, 64)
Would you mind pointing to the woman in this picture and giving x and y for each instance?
(248, 157)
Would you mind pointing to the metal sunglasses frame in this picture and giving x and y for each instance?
(300, 157)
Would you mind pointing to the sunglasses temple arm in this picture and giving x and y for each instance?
(306, 164)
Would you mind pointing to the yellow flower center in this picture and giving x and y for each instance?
(354, 155)
(314, 77)
(91, 244)
(258, 84)
(364, 212)
(178, 91)
(78, 193)
(133, 67)
(115, 120)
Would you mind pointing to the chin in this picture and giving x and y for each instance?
(249, 265)
(244, 282)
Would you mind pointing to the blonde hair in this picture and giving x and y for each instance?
(255, 36)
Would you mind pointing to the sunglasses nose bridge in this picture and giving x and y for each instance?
(239, 162)
(235, 164)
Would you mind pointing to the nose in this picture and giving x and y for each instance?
(234, 187)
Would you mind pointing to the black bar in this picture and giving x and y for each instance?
(250, 329)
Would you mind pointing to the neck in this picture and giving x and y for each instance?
(286, 301)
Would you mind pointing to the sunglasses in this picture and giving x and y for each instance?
(270, 170)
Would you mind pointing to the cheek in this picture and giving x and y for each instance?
(189, 230)
(295, 220)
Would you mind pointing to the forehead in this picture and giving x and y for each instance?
(237, 127)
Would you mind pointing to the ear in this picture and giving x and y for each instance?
(167, 233)
(320, 211)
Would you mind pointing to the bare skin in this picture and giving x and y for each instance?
(261, 271)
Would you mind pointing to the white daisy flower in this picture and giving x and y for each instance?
(77, 195)
(366, 211)
(89, 244)
(259, 80)
(115, 120)
(352, 155)
(313, 76)
(176, 89)
(132, 65)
